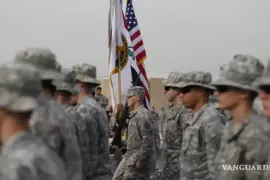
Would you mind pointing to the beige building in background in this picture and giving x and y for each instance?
(156, 88)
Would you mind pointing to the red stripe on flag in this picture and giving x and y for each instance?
(140, 56)
(137, 46)
(143, 72)
(135, 35)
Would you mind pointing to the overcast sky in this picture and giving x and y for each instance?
(179, 35)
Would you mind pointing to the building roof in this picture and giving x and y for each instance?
(150, 75)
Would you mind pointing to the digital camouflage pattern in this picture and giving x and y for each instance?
(241, 72)
(25, 157)
(88, 117)
(201, 143)
(54, 126)
(195, 78)
(20, 86)
(87, 74)
(135, 91)
(173, 136)
(241, 145)
(84, 141)
(50, 122)
(102, 100)
(140, 147)
(43, 59)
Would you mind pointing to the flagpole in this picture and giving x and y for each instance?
(119, 78)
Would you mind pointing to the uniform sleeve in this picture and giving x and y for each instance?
(146, 133)
(213, 131)
(93, 138)
(49, 133)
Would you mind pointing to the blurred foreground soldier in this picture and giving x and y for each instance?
(91, 109)
(202, 128)
(63, 93)
(100, 98)
(50, 122)
(137, 163)
(23, 156)
(242, 137)
(73, 100)
(264, 85)
(173, 127)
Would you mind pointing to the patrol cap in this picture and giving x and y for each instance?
(43, 59)
(241, 72)
(135, 91)
(86, 73)
(196, 78)
(20, 87)
(173, 79)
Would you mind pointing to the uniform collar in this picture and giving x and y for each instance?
(236, 129)
(194, 117)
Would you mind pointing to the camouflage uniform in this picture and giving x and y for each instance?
(89, 107)
(173, 133)
(202, 133)
(23, 156)
(84, 138)
(50, 122)
(140, 143)
(241, 143)
(264, 157)
(102, 100)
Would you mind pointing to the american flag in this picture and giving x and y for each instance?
(138, 47)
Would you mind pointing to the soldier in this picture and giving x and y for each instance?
(23, 156)
(263, 84)
(100, 98)
(172, 130)
(241, 140)
(85, 138)
(50, 122)
(89, 107)
(202, 128)
(137, 163)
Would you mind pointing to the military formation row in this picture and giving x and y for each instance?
(199, 138)
(44, 135)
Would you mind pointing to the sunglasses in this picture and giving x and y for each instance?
(185, 90)
(167, 88)
(223, 89)
(265, 89)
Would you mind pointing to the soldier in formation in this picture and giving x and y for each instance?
(63, 94)
(172, 128)
(23, 155)
(49, 121)
(51, 127)
(137, 163)
(241, 139)
(96, 115)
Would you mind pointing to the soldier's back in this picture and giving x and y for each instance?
(84, 141)
(101, 121)
(53, 125)
(25, 157)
